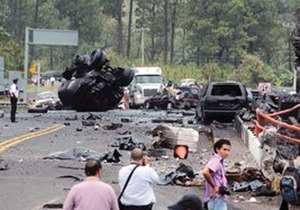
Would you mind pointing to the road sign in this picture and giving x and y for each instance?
(264, 87)
(55, 37)
(46, 37)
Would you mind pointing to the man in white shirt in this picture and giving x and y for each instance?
(14, 95)
(139, 194)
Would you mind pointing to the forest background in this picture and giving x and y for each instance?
(209, 40)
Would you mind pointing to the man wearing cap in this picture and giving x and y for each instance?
(138, 193)
(14, 94)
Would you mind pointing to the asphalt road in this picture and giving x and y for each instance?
(31, 181)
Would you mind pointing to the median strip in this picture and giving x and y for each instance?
(14, 141)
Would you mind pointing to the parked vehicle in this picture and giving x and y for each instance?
(161, 100)
(221, 101)
(53, 73)
(146, 82)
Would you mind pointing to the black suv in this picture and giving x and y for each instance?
(221, 101)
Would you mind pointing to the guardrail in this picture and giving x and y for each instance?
(263, 119)
(7, 104)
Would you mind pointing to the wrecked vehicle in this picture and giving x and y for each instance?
(47, 99)
(221, 100)
(169, 98)
(188, 97)
(92, 84)
(160, 100)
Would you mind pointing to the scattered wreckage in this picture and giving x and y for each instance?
(174, 98)
(92, 84)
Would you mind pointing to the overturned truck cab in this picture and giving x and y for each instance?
(92, 84)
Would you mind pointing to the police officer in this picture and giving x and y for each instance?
(14, 94)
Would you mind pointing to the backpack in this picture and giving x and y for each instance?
(290, 185)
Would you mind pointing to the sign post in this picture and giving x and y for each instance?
(46, 37)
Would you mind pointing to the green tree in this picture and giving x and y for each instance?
(253, 71)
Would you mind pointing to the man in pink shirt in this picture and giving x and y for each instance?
(216, 193)
(92, 193)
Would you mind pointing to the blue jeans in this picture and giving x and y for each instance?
(217, 204)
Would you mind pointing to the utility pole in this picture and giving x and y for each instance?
(290, 27)
(142, 44)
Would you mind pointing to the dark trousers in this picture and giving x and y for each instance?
(147, 207)
(13, 110)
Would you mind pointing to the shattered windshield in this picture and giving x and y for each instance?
(148, 79)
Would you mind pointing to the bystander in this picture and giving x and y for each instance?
(92, 193)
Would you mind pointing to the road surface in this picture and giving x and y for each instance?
(31, 181)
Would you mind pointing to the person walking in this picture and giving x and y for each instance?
(14, 95)
(92, 193)
(216, 192)
(136, 181)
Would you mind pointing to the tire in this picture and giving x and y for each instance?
(37, 110)
(126, 77)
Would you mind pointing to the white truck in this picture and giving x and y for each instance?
(147, 81)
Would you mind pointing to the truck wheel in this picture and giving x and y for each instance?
(126, 77)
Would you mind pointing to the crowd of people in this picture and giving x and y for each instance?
(136, 182)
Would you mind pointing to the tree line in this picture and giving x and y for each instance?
(246, 40)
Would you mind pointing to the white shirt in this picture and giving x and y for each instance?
(139, 191)
(13, 91)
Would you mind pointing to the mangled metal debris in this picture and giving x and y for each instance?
(129, 142)
(83, 153)
(169, 136)
(92, 84)
(184, 175)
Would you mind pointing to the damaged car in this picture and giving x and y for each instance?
(160, 100)
(221, 100)
(48, 100)
(92, 84)
(187, 97)
(45, 101)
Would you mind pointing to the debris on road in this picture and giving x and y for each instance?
(169, 136)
